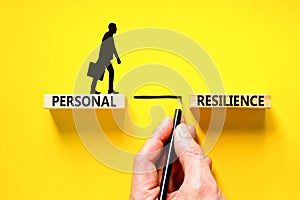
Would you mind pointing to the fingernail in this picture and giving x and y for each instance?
(183, 131)
(163, 123)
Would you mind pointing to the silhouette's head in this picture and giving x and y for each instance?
(112, 27)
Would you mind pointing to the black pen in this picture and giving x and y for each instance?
(170, 157)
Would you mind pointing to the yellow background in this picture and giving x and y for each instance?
(254, 44)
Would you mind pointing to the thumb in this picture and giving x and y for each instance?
(189, 152)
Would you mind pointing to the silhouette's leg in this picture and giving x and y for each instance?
(102, 76)
(111, 77)
(93, 86)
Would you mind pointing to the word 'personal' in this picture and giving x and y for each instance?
(84, 101)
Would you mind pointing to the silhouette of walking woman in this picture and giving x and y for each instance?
(107, 50)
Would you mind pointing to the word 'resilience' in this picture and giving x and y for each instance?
(230, 100)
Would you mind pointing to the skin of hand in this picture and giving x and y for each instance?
(191, 176)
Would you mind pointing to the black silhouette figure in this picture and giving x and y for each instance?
(107, 50)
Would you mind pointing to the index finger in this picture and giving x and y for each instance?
(150, 152)
(158, 138)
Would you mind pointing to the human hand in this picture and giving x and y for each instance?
(191, 177)
(118, 60)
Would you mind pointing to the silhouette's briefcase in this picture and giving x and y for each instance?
(96, 70)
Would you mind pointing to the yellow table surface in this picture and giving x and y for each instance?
(254, 44)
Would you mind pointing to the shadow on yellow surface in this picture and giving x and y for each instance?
(236, 119)
(94, 125)
(64, 119)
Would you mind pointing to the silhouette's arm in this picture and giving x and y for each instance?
(114, 49)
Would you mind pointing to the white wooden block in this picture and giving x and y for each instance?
(84, 101)
(230, 100)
